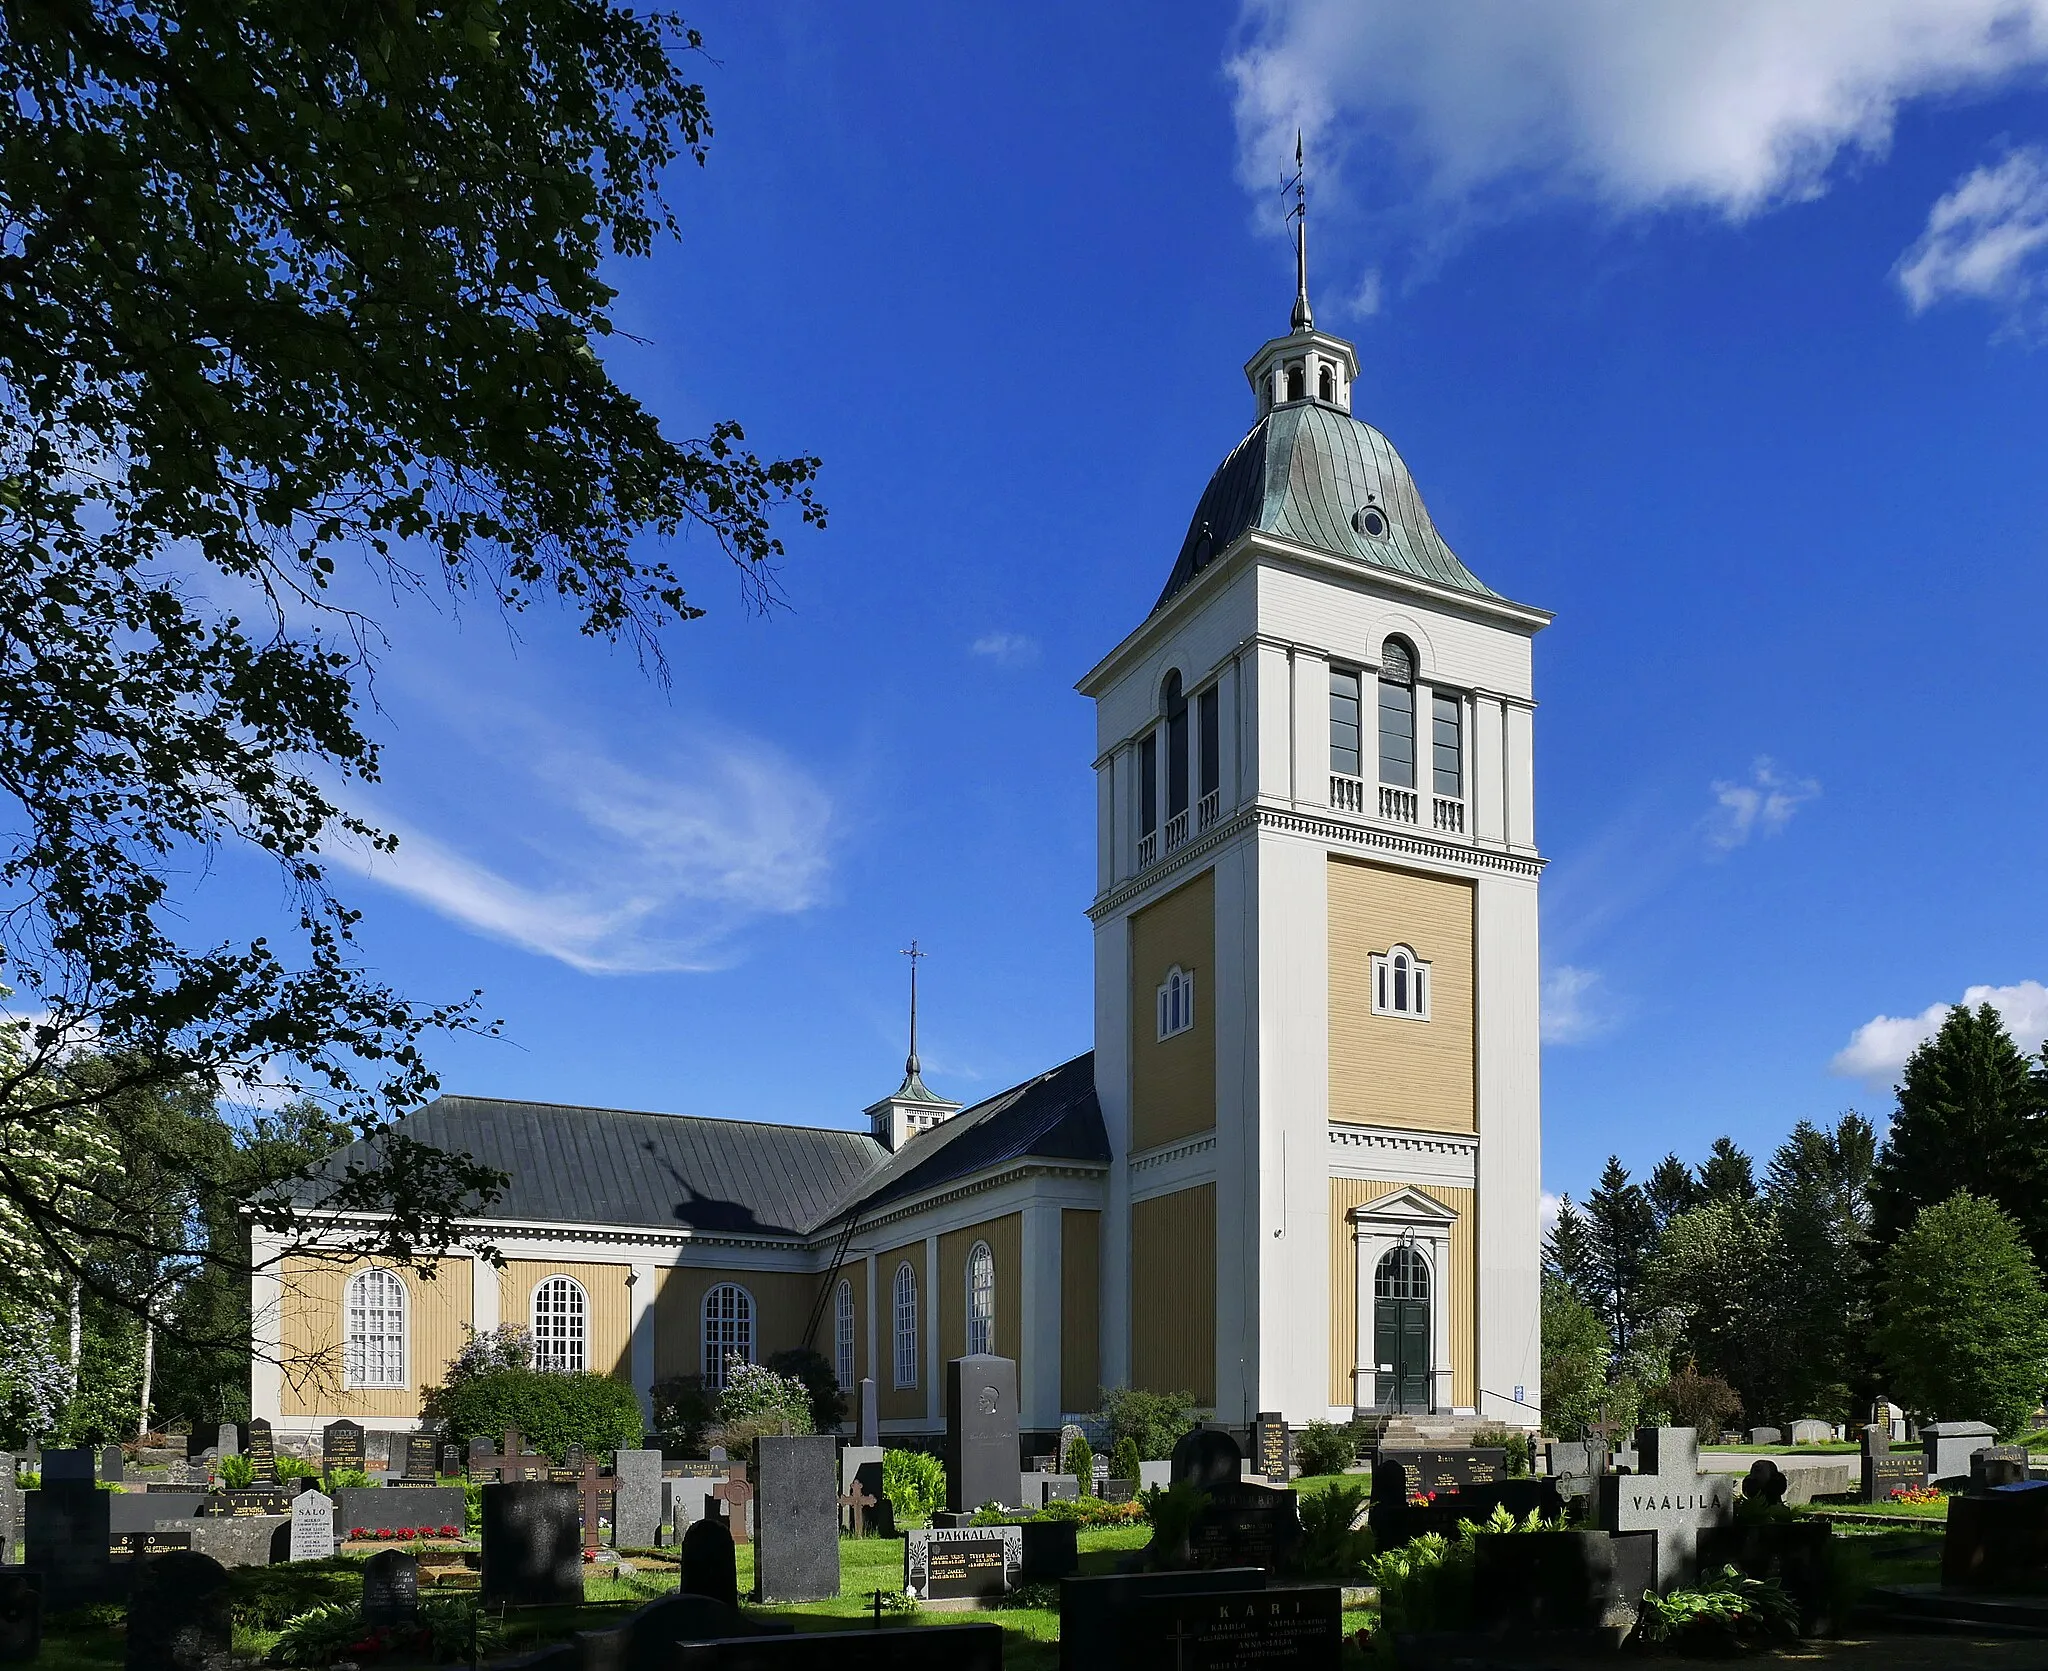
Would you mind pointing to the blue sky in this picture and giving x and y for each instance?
(1714, 329)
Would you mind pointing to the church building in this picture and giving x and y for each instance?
(1299, 1170)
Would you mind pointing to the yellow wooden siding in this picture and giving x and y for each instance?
(1390, 1070)
(782, 1306)
(1173, 1293)
(608, 1340)
(1080, 1308)
(1173, 1081)
(897, 1402)
(311, 1336)
(1346, 1193)
(1005, 1238)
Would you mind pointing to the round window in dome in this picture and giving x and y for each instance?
(1371, 522)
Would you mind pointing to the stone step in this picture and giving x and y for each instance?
(1928, 1607)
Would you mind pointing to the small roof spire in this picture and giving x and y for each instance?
(1303, 318)
(910, 1067)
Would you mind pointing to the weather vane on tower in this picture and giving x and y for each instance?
(1303, 319)
(910, 1067)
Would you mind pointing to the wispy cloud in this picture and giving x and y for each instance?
(1366, 301)
(1576, 1006)
(614, 868)
(1736, 105)
(1761, 805)
(1878, 1049)
(1987, 240)
(1006, 649)
(1546, 1212)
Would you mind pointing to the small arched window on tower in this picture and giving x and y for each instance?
(981, 1300)
(1297, 381)
(1397, 715)
(1176, 1002)
(1400, 984)
(1326, 386)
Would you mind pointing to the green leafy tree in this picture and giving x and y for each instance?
(1621, 1235)
(1080, 1462)
(1575, 1352)
(1969, 1118)
(1711, 1274)
(1727, 1174)
(1964, 1327)
(299, 306)
(1154, 1421)
(552, 1410)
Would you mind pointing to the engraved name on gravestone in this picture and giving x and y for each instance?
(262, 1453)
(451, 1459)
(1258, 1630)
(341, 1446)
(1669, 1496)
(420, 1456)
(312, 1526)
(1885, 1471)
(391, 1588)
(1269, 1446)
(952, 1563)
(1435, 1472)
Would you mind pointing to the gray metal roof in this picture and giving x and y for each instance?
(1302, 474)
(606, 1166)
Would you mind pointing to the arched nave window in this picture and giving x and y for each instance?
(981, 1299)
(728, 1331)
(373, 1324)
(561, 1326)
(906, 1326)
(842, 1334)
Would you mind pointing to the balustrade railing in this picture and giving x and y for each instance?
(1148, 848)
(1347, 794)
(1177, 829)
(1397, 804)
(1209, 809)
(1450, 815)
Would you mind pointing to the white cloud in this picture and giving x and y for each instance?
(1546, 1213)
(628, 870)
(1006, 649)
(1763, 805)
(1367, 302)
(1575, 1005)
(1735, 105)
(1878, 1049)
(1986, 240)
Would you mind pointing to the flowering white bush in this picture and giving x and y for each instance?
(510, 1347)
(762, 1401)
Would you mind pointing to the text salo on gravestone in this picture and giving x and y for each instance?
(312, 1537)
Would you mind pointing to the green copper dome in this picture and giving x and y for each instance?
(1315, 475)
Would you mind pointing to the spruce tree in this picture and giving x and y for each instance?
(1568, 1251)
(1969, 1119)
(1726, 1173)
(1816, 1300)
(1672, 1189)
(1621, 1235)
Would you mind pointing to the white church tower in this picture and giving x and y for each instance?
(1316, 941)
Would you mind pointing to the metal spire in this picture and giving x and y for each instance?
(910, 1067)
(1303, 319)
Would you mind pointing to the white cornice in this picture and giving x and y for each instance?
(1401, 1153)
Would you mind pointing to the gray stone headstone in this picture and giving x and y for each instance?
(1949, 1446)
(243, 1540)
(228, 1440)
(1811, 1433)
(179, 1618)
(177, 1471)
(963, 1562)
(391, 1588)
(870, 1429)
(312, 1526)
(686, 1501)
(1766, 1436)
(532, 1544)
(636, 1498)
(981, 1431)
(710, 1566)
(1668, 1495)
(10, 1508)
(67, 1537)
(796, 1518)
(113, 1465)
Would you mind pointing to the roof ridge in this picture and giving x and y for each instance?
(652, 1114)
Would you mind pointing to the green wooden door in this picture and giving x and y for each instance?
(1400, 1331)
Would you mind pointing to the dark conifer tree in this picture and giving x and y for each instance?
(1727, 1173)
(1568, 1252)
(1671, 1188)
(1621, 1234)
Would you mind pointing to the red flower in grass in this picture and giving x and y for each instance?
(408, 1531)
(384, 1532)
(451, 1532)
(359, 1531)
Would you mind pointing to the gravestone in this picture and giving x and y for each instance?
(1764, 1483)
(1100, 1627)
(1572, 1463)
(1886, 1472)
(1152, 1474)
(179, 1618)
(243, 1540)
(1299, 1627)
(421, 1457)
(736, 1494)
(126, 1546)
(1052, 1550)
(312, 1526)
(962, 1562)
(981, 1431)
(113, 1466)
(647, 1638)
(1432, 1473)
(139, 1511)
(869, 1434)
(796, 1518)
(176, 1472)
(1997, 1465)
(1269, 1446)
(67, 1539)
(709, 1564)
(636, 1498)
(1766, 1436)
(1997, 1540)
(1527, 1583)
(262, 1453)
(1811, 1433)
(686, 1501)
(68, 1467)
(532, 1544)
(1206, 1457)
(391, 1588)
(227, 1440)
(852, 1461)
(420, 1509)
(1669, 1496)
(341, 1446)
(21, 1615)
(451, 1459)
(1245, 1525)
(1948, 1446)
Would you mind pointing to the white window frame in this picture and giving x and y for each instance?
(1385, 974)
(842, 1334)
(903, 1295)
(1176, 1003)
(553, 1341)
(726, 1321)
(981, 1300)
(368, 1295)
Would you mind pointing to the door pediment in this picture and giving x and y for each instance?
(1406, 1205)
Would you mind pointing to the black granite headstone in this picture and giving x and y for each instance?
(1576, 1581)
(179, 1618)
(1997, 1465)
(981, 1431)
(1269, 1446)
(709, 1564)
(113, 1465)
(391, 1588)
(1206, 1457)
(21, 1615)
(67, 1542)
(451, 1459)
(1300, 1627)
(261, 1451)
(420, 1451)
(960, 1563)
(532, 1544)
(1100, 1628)
(1435, 1472)
(796, 1517)
(1051, 1551)
(1245, 1525)
(341, 1446)
(646, 1639)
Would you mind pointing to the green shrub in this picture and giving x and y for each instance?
(759, 1400)
(237, 1473)
(319, 1636)
(553, 1411)
(1172, 1512)
(1728, 1612)
(1509, 1439)
(991, 1514)
(1092, 1511)
(1124, 1460)
(1155, 1421)
(1426, 1584)
(296, 1468)
(353, 1478)
(460, 1629)
(1333, 1545)
(683, 1409)
(265, 1598)
(1324, 1448)
(914, 1483)
(1079, 1461)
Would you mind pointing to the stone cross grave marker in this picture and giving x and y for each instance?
(1669, 1496)
(262, 1453)
(735, 1493)
(312, 1536)
(341, 1447)
(513, 1465)
(856, 1502)
(590, 1493)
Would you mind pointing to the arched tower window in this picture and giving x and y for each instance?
(906, 1326)
(981, 1299)
(1176, 998)
(842, 1334)
(728, 1331)
(561, 1315)
(1326, 385)
(1397, 714)
(1400, 984)
(1175, 704)
(373, 1330)
(1297, 381)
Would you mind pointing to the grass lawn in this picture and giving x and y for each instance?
(1936, 1511)
(1833, 1447)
